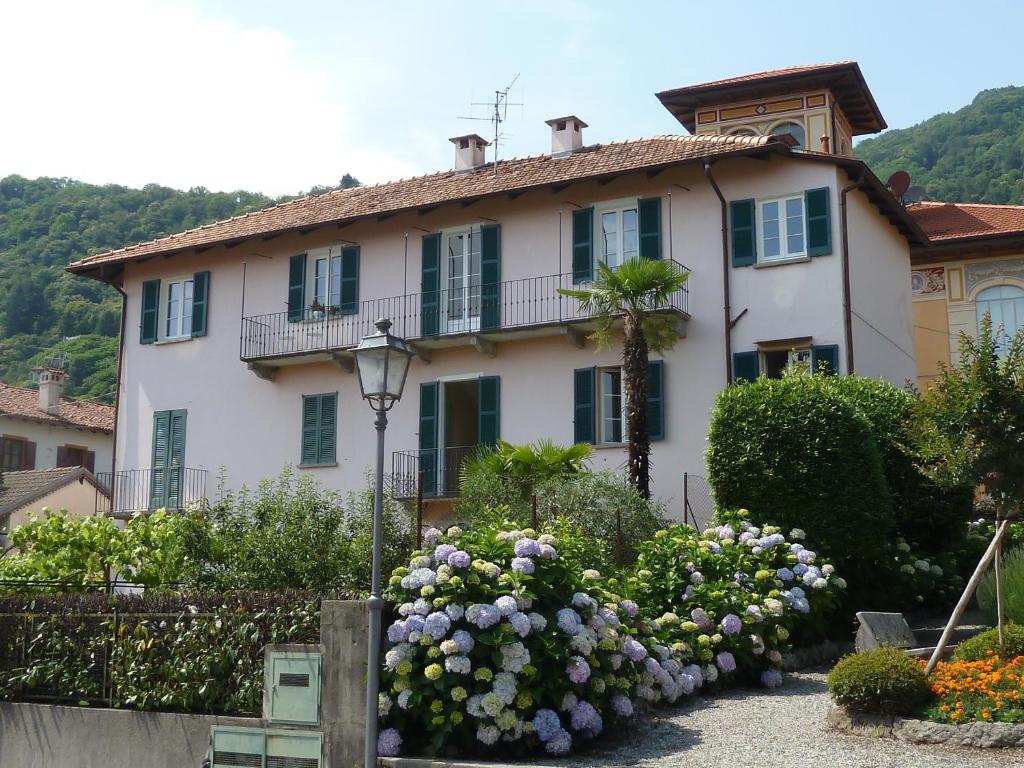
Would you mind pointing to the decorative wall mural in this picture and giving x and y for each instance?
(976, 272)
(928, 281)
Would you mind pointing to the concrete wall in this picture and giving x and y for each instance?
(251, 426)
(48, 438)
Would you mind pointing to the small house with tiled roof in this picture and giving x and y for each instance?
(239, 335)
(974, 265)
(43, 429)
(30, 491)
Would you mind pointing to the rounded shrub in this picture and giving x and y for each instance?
(883, 680)
(986, 644)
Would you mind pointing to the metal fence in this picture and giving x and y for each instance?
(143, 490)
(698, 505)
(464, 309)
(430, 471)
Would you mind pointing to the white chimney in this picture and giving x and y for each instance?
(51, 388)
(469, 152)
(566, 135)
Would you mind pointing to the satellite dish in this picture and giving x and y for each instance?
(898, 183)
(914, 195)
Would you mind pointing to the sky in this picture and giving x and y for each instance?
(277, 96)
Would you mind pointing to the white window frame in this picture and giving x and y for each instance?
(618, 207)
(182, 331)
(332, 253)
(784, 254)
(798, 358)
(798, 123)
(468, 322)
(602, 408)
(1005, 305)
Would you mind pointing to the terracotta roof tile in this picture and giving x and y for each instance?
(518, 174)
(953, 221)
(24, 404)
(20, 488)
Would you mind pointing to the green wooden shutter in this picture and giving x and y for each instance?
(743, 233)
(649, 213)
(150, 311)
(430, 285)
(826, 355)
(656, 399)
(161, 457)
(200, 302)
(310, 453)
(583, 245)
(490, 276)
(489, 404)
(819, 222)
(584, 410)
(297, 288)
(176, 460)
(349, 280)
(746, 366)
(328, 429)
(428, 436)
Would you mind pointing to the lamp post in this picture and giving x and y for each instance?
(383, 363)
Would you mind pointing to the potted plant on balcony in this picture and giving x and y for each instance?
(332, 310)
(316, 310)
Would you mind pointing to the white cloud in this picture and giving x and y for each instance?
(138, 91)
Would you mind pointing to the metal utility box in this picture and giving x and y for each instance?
(238, 747)
(291, 685)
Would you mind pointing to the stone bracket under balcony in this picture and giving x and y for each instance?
(481, 316)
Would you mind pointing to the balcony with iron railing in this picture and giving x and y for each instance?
(472, 315)
(434, 472)
(126, 492)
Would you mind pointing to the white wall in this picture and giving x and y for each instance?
(251, 427)
(48, 438)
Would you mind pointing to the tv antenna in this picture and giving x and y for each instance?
(498, 114)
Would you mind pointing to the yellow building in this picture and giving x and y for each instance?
(974, 265)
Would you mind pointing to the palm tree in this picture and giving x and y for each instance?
(527, 466)
(635, 291)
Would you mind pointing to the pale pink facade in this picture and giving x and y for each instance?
(250, 427)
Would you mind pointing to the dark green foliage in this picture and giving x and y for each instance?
(883, 680)
(47, 223)
(1013, 589)
(987, 644)
(975, 154)
(797, 454)
(193, 653)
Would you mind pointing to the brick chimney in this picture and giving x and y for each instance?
(51, 388)
(469, 152)
(566, 135)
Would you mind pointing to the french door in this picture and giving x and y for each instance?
(463, 273)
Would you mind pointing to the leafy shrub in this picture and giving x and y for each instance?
(986, 644)
(291, 533)
(912, 579)
(524, 467)
(1013, 590)
(194, 653)
(987, 689)
(882, 680)
(797, 454)
(738, 589)
(507, 635)
(589, 500)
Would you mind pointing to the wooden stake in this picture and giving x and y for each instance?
(965, 598)
(999, 591)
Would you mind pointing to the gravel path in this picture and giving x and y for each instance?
(783, 728)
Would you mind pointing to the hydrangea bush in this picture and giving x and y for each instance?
(506, 641)
(732, 598)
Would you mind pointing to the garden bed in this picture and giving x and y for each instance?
(914, 731)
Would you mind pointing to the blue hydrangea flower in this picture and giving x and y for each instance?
(585, 719)
(459, 559)
(569, 621)
(622, 706)
(726, 661)
(771, 678)
(523, 565)
(547, 724)
(389, 742)
(437, 625)
(731, 624)
(507, 605)
(527, 548)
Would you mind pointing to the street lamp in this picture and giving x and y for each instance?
(383, 363)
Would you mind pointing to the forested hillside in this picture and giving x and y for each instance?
(47, 223)
(975, 154)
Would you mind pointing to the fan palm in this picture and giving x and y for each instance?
(635, 291)
(528, 465)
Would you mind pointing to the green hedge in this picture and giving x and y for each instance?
(883, 680)
(188, 653)
(986, 644)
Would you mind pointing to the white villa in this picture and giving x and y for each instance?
(237, 352)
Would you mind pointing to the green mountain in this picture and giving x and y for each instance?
(973, 155)
(45, 224)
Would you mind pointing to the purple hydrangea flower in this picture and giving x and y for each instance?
(569, 621)
(443, 551)
(746, 536)
(527, 548)
(560, 743)
(507, 605)
(630, 608)
(799, 569)
(785, 574)
(731, 624)
(548, 553)
(726, 661)
(523, 565)
(697, 578)
(701, 619)
(805, 556)
(584, 718)
(459, 559)
(398, 632)
(415, 623)
(437, 625)
(634, 650)
(578, 670)
(771, 678)
(463, 640)
(520, 623)
(389, 742)
(483, 615)
(547, 724)
(622, 706)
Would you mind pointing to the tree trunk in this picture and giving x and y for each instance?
(634, 379)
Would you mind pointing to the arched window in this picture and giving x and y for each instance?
(793, 129)
(1005, 304)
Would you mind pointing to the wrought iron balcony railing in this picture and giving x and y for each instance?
(468, 310)
(436, 468)
(146, 490)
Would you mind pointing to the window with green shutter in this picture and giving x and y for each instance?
(150, 311)
(746, 366)
(490, 276)
(656, 400)
(582, 245)
(742, 233)
(428, 458)
(348, 300)
(200, 302)
(168, 462)
(489, 417)
(319, 429)
(825, 358)
(819, 222)
(430, 285)
(584, 392)
(649, 211)
(297, 288)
